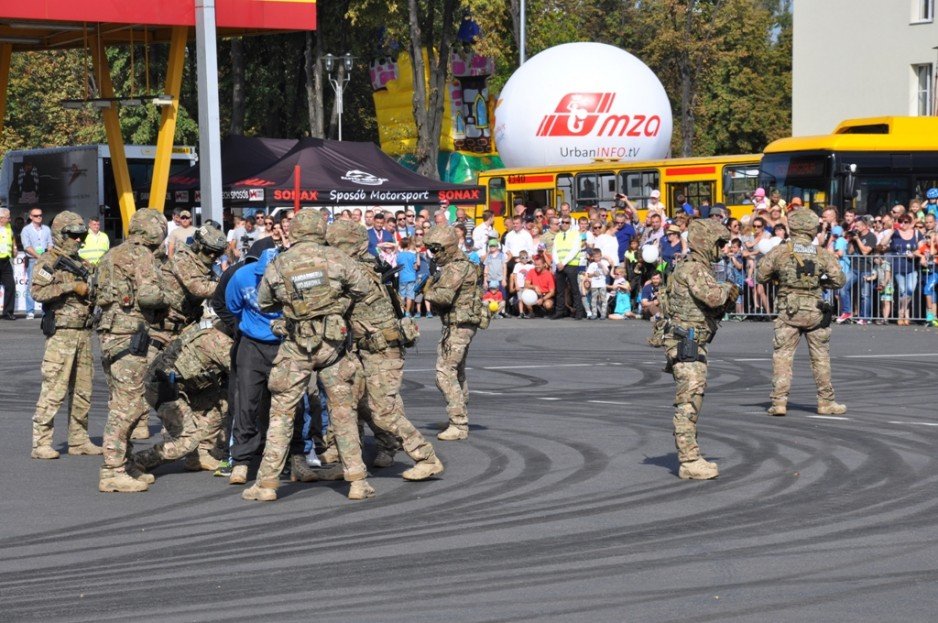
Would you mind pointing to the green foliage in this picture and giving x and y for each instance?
(734, 55)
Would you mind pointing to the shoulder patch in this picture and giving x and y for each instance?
(43, 273)
(805, 249)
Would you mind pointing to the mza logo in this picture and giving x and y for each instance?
(585, 114)
(364, 178)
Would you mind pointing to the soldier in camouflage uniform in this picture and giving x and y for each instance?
(380, 338)
(67, 363)
(314, 285)
(131, 294)
(189, 281)
(803, 271)
(693, 304)
(455, 294)
(187, 386)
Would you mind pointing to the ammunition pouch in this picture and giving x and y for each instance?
(382, 340)
(409, 331)
(334, 328)
(48, 323)
(167, 389)
(827, 312)
(139, 342)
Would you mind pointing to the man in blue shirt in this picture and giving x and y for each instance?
(625, 231)
(378, 234)
(36, 239)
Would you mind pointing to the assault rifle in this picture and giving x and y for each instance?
(76, 268)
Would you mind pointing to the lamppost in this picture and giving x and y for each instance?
(338, 70)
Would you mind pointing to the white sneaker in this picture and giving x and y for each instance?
(312, 459)
(30, 316)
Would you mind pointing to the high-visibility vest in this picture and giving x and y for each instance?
(6, 242)
(96, 245)
(564, 243)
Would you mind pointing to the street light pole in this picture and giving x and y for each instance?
(339, 70)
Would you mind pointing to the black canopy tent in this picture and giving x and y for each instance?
(346, 173)
(241, 157)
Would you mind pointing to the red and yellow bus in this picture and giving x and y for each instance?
(730, 180)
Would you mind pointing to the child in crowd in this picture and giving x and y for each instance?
(927, 254)
(736, 271)
(518, 275)
(597, 272)
(633, 270)
(407, 278)
(423, 271)
(621, 289)
(494, 295)
(882, 277)
(387, 253)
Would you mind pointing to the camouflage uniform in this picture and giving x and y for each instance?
(456, 296)
(199, 362)
(380, 337)
(314, 285)
(803, 271)
(131, 295)
(189, 281)
(694, 299)
(67, 363)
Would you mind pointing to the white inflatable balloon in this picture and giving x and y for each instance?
(650, 253)
(576, 102)
(764, 245)
(528, 297)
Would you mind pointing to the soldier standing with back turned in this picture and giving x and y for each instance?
(803, 271)
(693, 305)
(60, 283)
(456, 296)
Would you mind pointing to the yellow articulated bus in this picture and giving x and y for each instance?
(866, 164)
(730, 180)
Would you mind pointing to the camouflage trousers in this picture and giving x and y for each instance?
(690, 378)
(67, 372)
(784, 345)
(289, 378)
(380, 405)
(126, 402)
(195, 421)
(451, 354)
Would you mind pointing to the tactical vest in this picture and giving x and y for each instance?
(196, 371)
(374, 312)
(184, 308)
(468, 308)
(799, 271)
(681, 306)
(309, 291)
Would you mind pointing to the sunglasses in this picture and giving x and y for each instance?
(565, 222)
(185, 218)
(35, 216)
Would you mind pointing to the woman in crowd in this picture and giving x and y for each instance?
(901, 244)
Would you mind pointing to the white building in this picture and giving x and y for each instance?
(862, 58)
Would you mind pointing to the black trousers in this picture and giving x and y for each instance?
(252, 414)
(9, 285)
(567, 285)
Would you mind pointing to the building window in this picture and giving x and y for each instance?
(923, 89)
(923, 11)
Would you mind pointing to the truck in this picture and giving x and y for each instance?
(79, 178)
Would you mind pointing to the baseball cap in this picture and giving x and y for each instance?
(760, 192)
(718, 209)
(837, 230)
(185, 213)
(655, 194)
(493, 242)
(493, 284)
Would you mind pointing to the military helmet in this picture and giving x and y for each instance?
(210, 238)
(68, 232)
(443, 243)
(348, 236)
(149, 225)
(802, 223)
(308, 226)
(707, 237)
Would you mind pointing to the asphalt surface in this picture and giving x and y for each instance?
(563, 504)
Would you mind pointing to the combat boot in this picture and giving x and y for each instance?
(239, 475)
(779, 409)
(119, 482)
(300, 471)
(331, 455)
(453, 433)
(136, 472)
(331, 472)
(141, 432)
(86, 449)
(200, 460)
(831, 408)
(360, 490)
(698, 470)
(427, 468)
(259, 494)
(384, 458)
(44, 452)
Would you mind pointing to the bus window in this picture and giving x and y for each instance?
(693, 193)
(877, 195)
(564, 189)
(739, 182)
(597, 189)
(533, 199)
(497, 196)
(637, 186)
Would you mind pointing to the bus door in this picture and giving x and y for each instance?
(693, 193)
(539, 198)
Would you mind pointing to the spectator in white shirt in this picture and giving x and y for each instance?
(518, 239)
(605, 241)
(483, 232)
